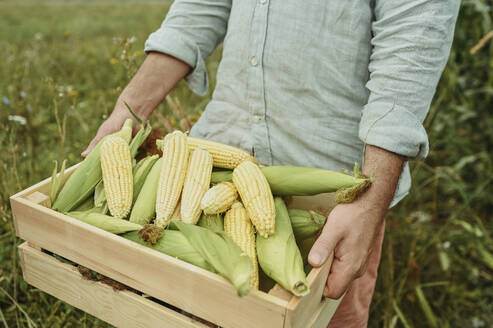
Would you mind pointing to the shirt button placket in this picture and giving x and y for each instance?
(256, 91)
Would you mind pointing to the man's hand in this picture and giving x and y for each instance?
(156, 77)
(351, 229)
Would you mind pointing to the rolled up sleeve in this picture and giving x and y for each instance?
(191, 31)
(411, 44)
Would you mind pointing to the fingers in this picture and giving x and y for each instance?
(109, 126)
(342, 273)
(92, 144)
(324, 246)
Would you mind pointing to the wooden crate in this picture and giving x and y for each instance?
(172, 281)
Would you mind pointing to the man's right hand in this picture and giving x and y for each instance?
(158, 74)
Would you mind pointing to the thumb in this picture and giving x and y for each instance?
(92, 144)
(324, 246)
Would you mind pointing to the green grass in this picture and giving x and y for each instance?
(64, 64)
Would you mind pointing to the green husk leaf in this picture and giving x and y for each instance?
(306, 181)
(140, 172)
(57, 180)
(279, 256)
(213, 222)
(99, 195)
(139, 139)
(105, 222)
(144, 208)
(83, 181)
(175, 244)
(222, 253)
(85, 205)
(306, 223)
(138, 119)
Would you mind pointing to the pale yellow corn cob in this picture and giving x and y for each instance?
(172, 177)
(197, 183)
(219, 198)
(224, 156)
(257, 197)
(116, 166)
(176, 213)
(238, 226)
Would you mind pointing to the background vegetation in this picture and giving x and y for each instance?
(63, 64)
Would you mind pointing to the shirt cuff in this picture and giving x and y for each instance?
(172, 42)
(395, 129)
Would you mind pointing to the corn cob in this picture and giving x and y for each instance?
(176, 213)
(238, 226)
(306, 223)
(220, 251)
(256, 196)
(105, 222)
(172, 177)
(82, 182)
(116, 164)
(145, 206)
(140, 172)
(212, 222)
(224, 156)
(219, 198)
(279, 255)
(308, 181)
(175, 244)
(197, 182)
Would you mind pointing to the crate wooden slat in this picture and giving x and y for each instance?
(185, 286)
(119, 308)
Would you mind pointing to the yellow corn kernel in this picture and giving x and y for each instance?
(238, 226)
(197, 183)
(225, 156)
(257, 197)
(172, 177)
(116, 166)
(219, 198)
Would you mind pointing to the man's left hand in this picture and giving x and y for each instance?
(351, 229)
(350, 233)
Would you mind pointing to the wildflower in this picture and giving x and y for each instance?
(17, 118)
(22, 94)
(446, 244)
(6, 100)
(113, 61)
(132, 39)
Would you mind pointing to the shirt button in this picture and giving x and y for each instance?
(257, 118)
(263, 2)
(254, 61)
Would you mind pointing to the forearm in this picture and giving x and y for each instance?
(156, 77)
(387, 167)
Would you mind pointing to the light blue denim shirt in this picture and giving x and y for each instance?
(311, 82)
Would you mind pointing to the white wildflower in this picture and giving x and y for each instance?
(17, 118)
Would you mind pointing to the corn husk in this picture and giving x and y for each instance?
(139, 139)
(307, 181)
(83, 181)
(57, 180)
(306, 223)
(105, 222)
(140, 172)
(144, 208)
(222, 253)
(213, 222)
(279, 256)
(175, 244)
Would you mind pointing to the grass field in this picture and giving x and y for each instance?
(63, 65)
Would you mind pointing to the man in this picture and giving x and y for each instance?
(320, 83)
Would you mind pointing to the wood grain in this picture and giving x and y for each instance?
(120, 308)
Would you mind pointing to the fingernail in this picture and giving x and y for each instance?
(315, 258)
